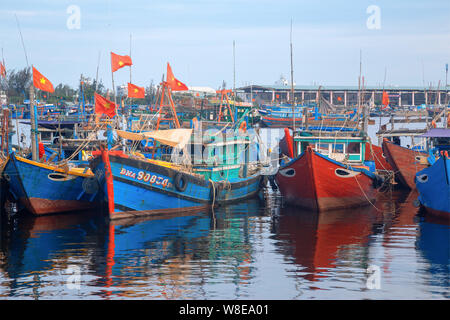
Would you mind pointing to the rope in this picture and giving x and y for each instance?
(89, 139)
(365, 195)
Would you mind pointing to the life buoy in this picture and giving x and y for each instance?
(180, 182)
(243, 126)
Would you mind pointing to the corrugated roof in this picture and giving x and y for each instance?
(336, 88)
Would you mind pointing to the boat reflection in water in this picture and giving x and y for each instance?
(434, 245)
(145, 257)
(242, 251)
(318, 240)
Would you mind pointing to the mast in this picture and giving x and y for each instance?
(130, 57)
(34, 127)
(446, 75)
(234, 74)
(359, 83)
(384, 82)
(234, 66)
(292, 85)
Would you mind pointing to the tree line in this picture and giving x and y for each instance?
(16, 86)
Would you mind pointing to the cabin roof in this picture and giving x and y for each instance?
(437, 133)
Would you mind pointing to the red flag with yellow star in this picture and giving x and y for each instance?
(41, 82)
(2, 70)
(118, 62)
(104, 106)
(174, 83)
(135, 91)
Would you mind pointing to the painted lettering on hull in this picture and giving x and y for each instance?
(146, 177)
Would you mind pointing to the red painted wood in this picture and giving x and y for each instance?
(109, 180)
(289, 142)
(39, 206)
(316, 186)
(404, 163)
(377, 156)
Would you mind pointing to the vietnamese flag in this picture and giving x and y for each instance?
(104, 106)
(174, 83)
(385, 99)
(41, 82)
(118, 62)
(2, 70)
(135, 91)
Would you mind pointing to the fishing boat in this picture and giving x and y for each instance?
(405, 162)
(434, 189)
(433, 182)
(135, 185)
(44, 188)
(328, 172)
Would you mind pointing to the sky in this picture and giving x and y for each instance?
(406, 42)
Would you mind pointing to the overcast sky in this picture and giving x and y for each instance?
(412, 42)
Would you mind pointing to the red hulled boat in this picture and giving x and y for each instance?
(317, 182)
(405, 162)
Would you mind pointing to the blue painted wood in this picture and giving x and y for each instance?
(433, 185)
(140, 186)
(27, 181)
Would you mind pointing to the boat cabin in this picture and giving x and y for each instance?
(342, 147)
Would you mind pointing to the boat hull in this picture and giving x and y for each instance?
(42, 189)
(405, 162)
(434, 190)
(311, 181)
(272, 122)
(138, 187)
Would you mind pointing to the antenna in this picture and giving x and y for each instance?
(21, 38)
(96, 76)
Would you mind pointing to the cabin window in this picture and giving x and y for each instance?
(323, 148)
(354, 148)
(337, 148)
(46, 135)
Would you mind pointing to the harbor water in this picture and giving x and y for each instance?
(254, 249)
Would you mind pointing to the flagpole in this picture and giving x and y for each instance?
(114, 90)
(34, 140)
(131, 99)
(130, 58)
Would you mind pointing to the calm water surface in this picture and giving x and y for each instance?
(256, 249)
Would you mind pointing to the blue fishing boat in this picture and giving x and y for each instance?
(44, 188)
(433, 182)
(433, 186)
(135, 185)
